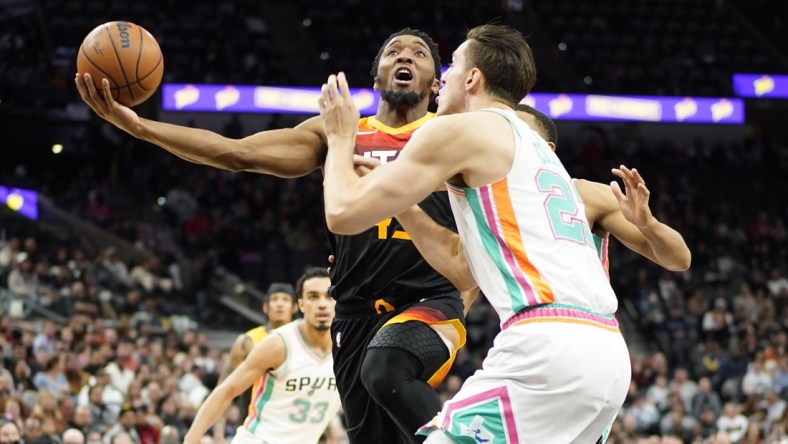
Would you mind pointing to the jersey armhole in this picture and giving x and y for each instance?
(281, 371)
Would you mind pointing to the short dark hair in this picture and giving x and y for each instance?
(504, 57)
(280, 287)
(310, 273)
(436, 57)
(547, 128)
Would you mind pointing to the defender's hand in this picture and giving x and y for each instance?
(340, 116)
(633, 202)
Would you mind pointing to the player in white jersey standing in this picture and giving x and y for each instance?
(297, 395)
(559, 370)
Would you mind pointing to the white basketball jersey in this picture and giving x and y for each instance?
(526, 236)
(294, 403)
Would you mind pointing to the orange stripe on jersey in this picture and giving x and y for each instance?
(513, 239)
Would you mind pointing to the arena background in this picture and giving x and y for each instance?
(84, 201)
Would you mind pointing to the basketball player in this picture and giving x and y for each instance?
(399, 323)
(608, 211)
(543, 380)
(297, 394)
(279, 307)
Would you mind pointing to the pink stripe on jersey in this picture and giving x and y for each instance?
(489, 214)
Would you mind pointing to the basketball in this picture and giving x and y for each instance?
(125, 54)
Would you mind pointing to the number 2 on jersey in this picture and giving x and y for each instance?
(562, 208)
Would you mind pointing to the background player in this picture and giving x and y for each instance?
(297, 395)
(385, 377)
(543, 277)
(279, 307)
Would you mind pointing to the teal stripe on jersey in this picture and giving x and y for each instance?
(258, 408)
(491, 246)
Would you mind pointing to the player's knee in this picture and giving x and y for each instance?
(384, 370)
(418, 342)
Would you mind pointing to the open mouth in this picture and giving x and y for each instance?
(403, 76)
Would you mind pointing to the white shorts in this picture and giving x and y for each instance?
(546, 380)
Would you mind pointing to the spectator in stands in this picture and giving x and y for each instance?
(9, 432)
(117, 267)
(145, 276)
(122, 368)
(705, 399)
(717, 322)
(46, 339)
(126, 425)
(82, 419)
(757, 380)
(733, 423)
(685, 387)
(73, 436)
(677, 422)
(52, 377)
(9, 254)
(22, 281)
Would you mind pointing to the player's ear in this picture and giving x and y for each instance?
(551, 145)
(375, 85)
(473, 79)
(436, 85)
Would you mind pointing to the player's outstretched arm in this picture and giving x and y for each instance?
(627, 216)
(291, 152)
(267, 355)
(241, 348)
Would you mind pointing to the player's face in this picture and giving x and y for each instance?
(280, 308)
(452, 96)
(406, 72)
(316, 304)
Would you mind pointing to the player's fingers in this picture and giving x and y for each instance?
(644, 189)
(627, 177)
(618, 173)
(344, 89)
(108, 99)
(81, 88)
(637, 177)
(94, 95)
(322, 102)
(616, 188)
(333, 92)
(369, 162)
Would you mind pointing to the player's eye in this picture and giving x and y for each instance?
(392, 52)
(421, 53)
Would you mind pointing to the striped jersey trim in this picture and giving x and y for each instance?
(261, 398)
(375, 123)
(562, 312)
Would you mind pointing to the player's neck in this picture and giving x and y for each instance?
(397, 117)
(317, 340)
(482, 101)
